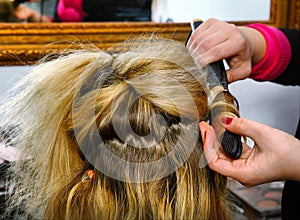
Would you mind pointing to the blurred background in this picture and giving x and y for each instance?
(141, 10)
(266, 102)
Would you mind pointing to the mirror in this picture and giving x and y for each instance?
(25, 43)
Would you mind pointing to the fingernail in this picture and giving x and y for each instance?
(226, 120)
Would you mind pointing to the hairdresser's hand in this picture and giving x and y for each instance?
(242, 47)
(275, 155)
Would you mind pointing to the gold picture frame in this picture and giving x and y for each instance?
(25, 43)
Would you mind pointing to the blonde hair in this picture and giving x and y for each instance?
(142, 105)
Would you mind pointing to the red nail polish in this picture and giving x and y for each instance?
(226, 120)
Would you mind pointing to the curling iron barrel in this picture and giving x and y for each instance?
(222, 104)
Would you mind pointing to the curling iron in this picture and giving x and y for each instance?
(231, 143)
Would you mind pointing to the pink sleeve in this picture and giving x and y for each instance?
(278, 53)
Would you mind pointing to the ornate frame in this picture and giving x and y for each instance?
(24, 44)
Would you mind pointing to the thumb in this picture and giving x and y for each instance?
(230, 75)
(243, 127)
(238, 72)
(234, 74)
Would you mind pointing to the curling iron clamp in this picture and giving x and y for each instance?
(231, 143)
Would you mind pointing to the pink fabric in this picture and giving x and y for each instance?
(70, 10)
(278, 53)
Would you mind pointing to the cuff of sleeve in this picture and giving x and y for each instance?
(278, 53)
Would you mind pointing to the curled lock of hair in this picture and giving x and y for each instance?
(223, 104)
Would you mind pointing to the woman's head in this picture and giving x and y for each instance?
(128, 115)
(7, 11)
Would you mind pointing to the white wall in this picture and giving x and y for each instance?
(269, 103)
(229, 10)
(10, 75)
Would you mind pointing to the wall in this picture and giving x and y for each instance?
(10, 75)
(273, 104)
(229, 10)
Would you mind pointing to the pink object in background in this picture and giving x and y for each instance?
(70, 10)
